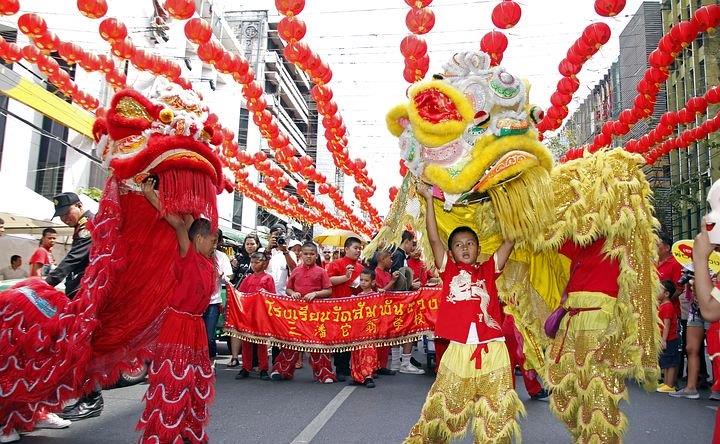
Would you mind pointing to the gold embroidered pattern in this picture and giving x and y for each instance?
(131, 108)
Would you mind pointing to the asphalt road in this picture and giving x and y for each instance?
(255, 411)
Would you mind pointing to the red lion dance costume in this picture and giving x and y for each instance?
(53, 349)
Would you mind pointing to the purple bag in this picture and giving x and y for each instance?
(552, 323)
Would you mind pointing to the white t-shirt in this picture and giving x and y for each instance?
(277, 268)
(224, 270)
(9, 273)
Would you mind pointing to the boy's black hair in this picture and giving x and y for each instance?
(14, 257)
(350, 241)
(200, 227)
(259, 256)
(665, 238)
(370, 272)
(407, 235)
(380, 255)
(458, 230)
(48, 231)
(669, 286)
(309, 244)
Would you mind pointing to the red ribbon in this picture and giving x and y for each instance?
(477, 354)
(571, 312)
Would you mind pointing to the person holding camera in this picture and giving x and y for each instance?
(282, 260)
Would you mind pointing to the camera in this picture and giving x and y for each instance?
(686, 276)
(281, 240)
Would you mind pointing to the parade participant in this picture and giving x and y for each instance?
(14, 271)
(670, 345)
(514, 344)
(258, 280)
(344, 273)
(307, 281)
(42, 260)
(72, 268)
(172, 412)
(242, 269)
(477, 358)
(421, 275)
(364, 360)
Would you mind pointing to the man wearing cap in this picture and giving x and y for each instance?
(72, 268)
(282, 260)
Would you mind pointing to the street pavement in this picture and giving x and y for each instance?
(300, 411)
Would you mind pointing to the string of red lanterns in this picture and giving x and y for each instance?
(684, 139)
(419, 21)
(505, 15)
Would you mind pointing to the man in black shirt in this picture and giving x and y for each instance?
(72, 268)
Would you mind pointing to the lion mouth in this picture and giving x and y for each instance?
(508, 167)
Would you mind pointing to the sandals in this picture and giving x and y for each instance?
(234, 362)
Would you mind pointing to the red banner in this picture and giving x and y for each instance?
(332, 325)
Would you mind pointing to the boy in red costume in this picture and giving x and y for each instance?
(181, 379)
(307, 281)
(477, 359)
(258, 280)
(365, 360)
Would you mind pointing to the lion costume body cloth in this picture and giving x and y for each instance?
(584, 240)
(53, 349)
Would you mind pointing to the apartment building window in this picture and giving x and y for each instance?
(237, 211)
(701, 84)
(691, 84)
(243, 128)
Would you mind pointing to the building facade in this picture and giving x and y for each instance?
(691, 171)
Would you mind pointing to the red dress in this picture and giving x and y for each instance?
(181, 379)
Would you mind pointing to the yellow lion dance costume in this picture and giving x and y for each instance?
(585, 243)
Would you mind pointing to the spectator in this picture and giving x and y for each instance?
(384, 279)
(309, 282)
(327, 256)
(423, 277)
(295, 246)
(212, 312)
(258, 280)
(335, 255)
(282, 261)
(42, 260)
(241, 270)
(668, 268)
(670, 341)
(14, 271)
(693, 347)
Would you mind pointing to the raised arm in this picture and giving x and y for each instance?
(437, 245)
(709, 306)
(179, 224)
(503, 253)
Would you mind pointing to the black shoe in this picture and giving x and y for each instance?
(415, 362)
(264, 375)
(87, 407)
(386, 371)
(242, 374)
(369, 383)
(542, 395)
(234, 362)
(341, 377)
(275, 376)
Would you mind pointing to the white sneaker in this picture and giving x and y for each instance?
(411, 369)
(52, 421)
(10, 437)
(328, 381)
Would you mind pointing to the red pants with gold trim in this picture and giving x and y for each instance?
(320, 363)
(513, 341)
(363, 363)
(247, 354)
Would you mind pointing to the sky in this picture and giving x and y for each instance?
(360, 41)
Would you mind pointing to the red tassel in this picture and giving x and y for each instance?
(188, 192)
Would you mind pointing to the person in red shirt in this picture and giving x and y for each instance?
(365, 360)
(423, 276)
(670, 341)
(344, 273)
(307, 281)
(43, 257)
(257, 281)
(384, 280)
(172, 412)
(476, 359)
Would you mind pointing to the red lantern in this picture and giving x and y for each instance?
(197, 31)
(597, 34)
(123, 48)
(707, 17)
(32, 25)
(322, 74)
(70, 52)
(417, 4)
(9, 7)
(172, 70)
(420, 21)
(111, 30)
(568, 85)
(321, 93)
(609, 8)
(289, 8)
(669, 119)
(296, 52)
(226, 63)
(47, 43)
(584, 48)
(696, 105)
(421, 64)
(575, 57)
(568, 69)
(31, 54)
(13, 53)
(403, 168)
(92, 8)
(141, 60)
(560, 99)
(667, 44)
(620, 128)
(291, 29)
(656, 75)
(684, 32)
(89, 62)
(494, 43)
(210, 52)
(713, 95)
(685, 116)
(660, 59)
(647, 88)
(180, 9)
(392, 193)
(506, 14)
(412, 46)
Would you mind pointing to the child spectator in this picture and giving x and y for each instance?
(181, 379)
(258, 280)
(308, 281)
(364, 361)
(423, 277)
(383, 278)
(477, 359)
(670, 342)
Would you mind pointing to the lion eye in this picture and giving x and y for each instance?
(438, 76)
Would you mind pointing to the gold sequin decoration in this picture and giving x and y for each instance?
(131, 108)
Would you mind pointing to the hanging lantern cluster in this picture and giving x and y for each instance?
(419, 20)
(594, 36)
(684, 140)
